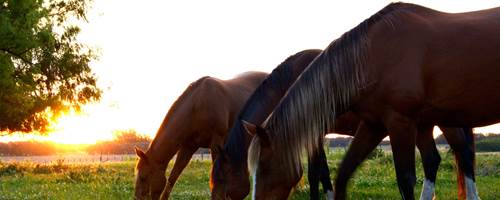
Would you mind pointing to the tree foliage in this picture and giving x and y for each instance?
(43, 69)
(123, 143)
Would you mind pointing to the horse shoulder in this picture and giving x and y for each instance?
(210, 93)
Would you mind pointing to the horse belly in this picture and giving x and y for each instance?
(464, 103)
(461, 76)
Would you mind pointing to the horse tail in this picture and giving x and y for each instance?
(460, 179)
(465, 167)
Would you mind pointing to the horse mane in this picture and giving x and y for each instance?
(177, 103)
(260, 105)
(322, 92)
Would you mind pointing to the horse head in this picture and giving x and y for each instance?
(270, 181)
(150, 177)
(228, 181)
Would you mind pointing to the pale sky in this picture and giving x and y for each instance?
(151, 50)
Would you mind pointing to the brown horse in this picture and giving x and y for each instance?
(405, 67)
(200, 117)
(230, 175)
(464, 157)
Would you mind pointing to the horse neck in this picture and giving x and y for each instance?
(176, 123)
(237, 145)
(265, 98)
(256, 111)
(163, 146)
(263, 101)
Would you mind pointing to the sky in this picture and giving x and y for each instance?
(152, 49)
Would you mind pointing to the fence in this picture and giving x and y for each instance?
(84, 158)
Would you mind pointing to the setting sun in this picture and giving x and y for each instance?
(94, 123)
(79, 128)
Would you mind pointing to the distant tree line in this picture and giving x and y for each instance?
(27, 148)
(488, 142)
(123, 143)
(345, 141)
(484, 142)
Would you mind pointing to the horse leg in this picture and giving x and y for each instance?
(366, 139)
(324, 175)
(430, 160)
(313, 175)
(402, 133)
(461, 142)
(183, 157)
(318, 171)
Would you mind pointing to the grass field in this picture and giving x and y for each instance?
(374, 180)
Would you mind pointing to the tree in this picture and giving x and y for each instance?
(124, 142)
(130, 136)
(44, 71)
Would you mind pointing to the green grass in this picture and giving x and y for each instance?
(374, 180)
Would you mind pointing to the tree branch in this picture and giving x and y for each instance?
(17, 56)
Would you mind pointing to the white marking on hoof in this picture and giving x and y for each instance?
(254, 178)
(427, 190)
(329, 195)
(471, 189)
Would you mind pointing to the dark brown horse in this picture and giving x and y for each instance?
(404, 68)
(230, 174)
(200, 117)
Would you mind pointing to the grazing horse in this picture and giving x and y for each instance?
(229, 175)
(462, 148)
(403, 68)
(200, 117)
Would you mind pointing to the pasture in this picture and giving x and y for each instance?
(374, 180)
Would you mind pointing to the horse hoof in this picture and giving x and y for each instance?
(329, 195)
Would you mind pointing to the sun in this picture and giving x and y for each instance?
(85, 127)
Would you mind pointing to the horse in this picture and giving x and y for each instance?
(462, 148)
(405, 67)
(229, 174)
(200, 117)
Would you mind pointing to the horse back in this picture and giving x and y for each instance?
(438, 64)
(219, 101)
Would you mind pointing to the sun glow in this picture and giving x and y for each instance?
(94, 122)
(78, 128)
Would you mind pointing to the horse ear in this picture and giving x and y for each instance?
(255, 130)
(219, 152)
(141, 154)
(250, 128)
